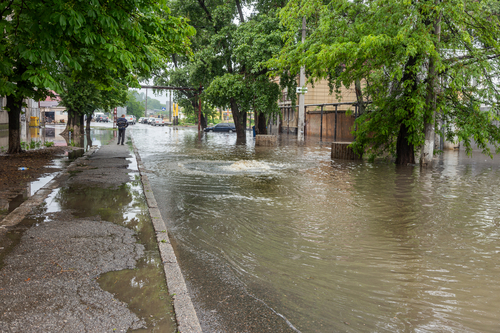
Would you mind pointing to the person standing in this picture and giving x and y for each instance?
(122, 124)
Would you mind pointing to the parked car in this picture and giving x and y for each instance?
(140, 120)
(130, 119)
(151, 120)
(145, 120)
(222, 127)
(159, 122)
(101, 118)
(97, 117)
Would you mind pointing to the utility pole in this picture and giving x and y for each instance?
(302, 81)
(146, 111)
(170, 107)
(199, 112)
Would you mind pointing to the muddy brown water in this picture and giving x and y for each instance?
(285, 239)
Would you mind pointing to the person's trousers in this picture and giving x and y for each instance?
(121, 135)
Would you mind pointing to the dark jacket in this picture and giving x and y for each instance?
(122, 123)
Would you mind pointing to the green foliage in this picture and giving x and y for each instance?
(52, 44)
(48, 144)
(191, 113)
(254, 42)
(86, 96)
(409, 69)
(134, 107)
(229, 57)
(31, 145)
(154, 104)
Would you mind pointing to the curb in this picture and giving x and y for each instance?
(18, 214)
(185, 314)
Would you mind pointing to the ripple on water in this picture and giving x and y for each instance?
(325, 243)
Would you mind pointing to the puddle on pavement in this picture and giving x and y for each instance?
(14, 234)
(40, 182)
(16, 202)
(144, 288)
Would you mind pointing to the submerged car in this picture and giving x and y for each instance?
(222, 127)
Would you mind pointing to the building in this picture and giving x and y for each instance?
(51, 112)
(4, 116)
(326, 116)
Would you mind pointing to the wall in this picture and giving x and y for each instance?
(320, 94)
(4, 116)
(344, 126)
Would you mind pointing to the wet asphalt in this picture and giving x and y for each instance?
(49, 282)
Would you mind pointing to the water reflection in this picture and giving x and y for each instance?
(328, 245)
(143, 288)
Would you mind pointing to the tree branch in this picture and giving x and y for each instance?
(240, 12)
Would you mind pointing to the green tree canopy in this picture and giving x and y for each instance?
(418, 61)
(134, 107)
(229, 57)
(124, 38)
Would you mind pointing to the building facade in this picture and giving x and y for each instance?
(328, 116)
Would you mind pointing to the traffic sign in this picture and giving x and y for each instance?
(163, 108)
(301, 90)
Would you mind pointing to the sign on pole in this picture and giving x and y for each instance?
(301, 90)
(115, 117)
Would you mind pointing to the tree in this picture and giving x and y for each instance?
(228, 61)
(154, 104)
(40, 37)
(134, 107)
(421, 62)
(82, 97)
(249, 86)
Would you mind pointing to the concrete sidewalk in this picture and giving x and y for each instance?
(49, 279)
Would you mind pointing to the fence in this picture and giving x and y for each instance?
(326, 121)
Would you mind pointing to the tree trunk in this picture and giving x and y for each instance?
(240, 120)
(428, 147)
(240, 12)
(70, 124)
(262, 124)
(359, 96)
(404, 150)
(89, 139)
(89, 117)
(430, 117)
(203, 119)
(78, 129)
(79, 141)
(14, 105)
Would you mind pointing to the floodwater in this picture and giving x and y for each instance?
(284, 239)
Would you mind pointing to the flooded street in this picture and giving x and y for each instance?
(284, 239)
